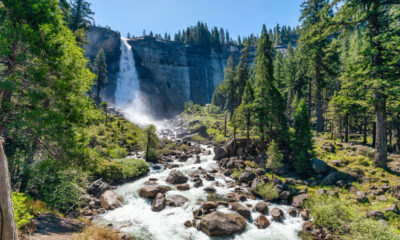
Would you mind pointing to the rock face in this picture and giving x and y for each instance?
(170, 73)
(110, 200)
(222, 224)
(176, 177)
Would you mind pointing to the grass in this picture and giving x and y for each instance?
(267, 192)
(96, 233)
(237, 172)
(122, 169)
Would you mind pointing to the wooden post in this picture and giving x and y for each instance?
(8, 230)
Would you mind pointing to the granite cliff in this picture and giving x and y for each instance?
(170, 73)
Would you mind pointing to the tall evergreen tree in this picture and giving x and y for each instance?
(302, 144)
(100, 69)
(80, 15)
(242, 72)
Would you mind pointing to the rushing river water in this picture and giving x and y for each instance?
(137, 218)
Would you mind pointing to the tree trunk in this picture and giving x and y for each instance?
(309, 98)
(148, 146)
(365, 128)
(374, 135)
(398, 133)
(8, 230)
(380, 158)
(318, 105)
(346, 128)
(225, 125)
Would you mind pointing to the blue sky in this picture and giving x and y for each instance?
(240, 17)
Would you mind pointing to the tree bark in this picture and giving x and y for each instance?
(318, 105)
(346, 128)
(398, 133)
(8, 230)
(365, 128)
(374, 135)
(380, 158)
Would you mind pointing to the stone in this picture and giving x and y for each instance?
(247, 176)
(332, 178)
(152, 190)
(321, 191)
(376, 214)
(361, 197)
(393, 208)
(277, 214)
(209, 205)
(242, 197)
(188, 224)
(198, 183)
(261, 222)
(197, 213)
(222, 224)
(158, 202)
(307, 227)
(299, 200)
(176, 177)
(337, 163)
(261, 207)
(110, 200)
(285, 195)
(201, 131)
(183, 187)
(329, 147)
(292, 212)
(209, 189)
(98, 187)
(319, 166)
(220, 153)
(175, 200)
(242, 210)
(305, 214)
(381, 198)
(260, 171)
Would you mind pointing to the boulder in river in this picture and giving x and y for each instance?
(247, 176)
(242, 210)
(277, 214)
(158, 203)
(261, 222)
(176, 177)
(152, 190)
(222, 224)
(261, 207)
(109, 200)
(220, 153)
(98, 187)
(175, 200)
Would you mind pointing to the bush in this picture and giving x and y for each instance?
(60, 189)
(366, 229)
(122, 169)
(237, 172)
(329, 212)
(117, 152)
(22, 209)
(267, 191)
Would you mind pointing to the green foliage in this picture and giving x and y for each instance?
(80, 15)
(267, 191)
(150, 143)
(117, 152)
(58, 188)
(275, 157)
(22, 209)
(100, 69)
(302, 144)
(329, 212)
(119, 170)
(237, 172)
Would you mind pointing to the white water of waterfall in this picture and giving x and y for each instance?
(128, 96)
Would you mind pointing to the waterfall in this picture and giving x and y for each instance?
(128, 96)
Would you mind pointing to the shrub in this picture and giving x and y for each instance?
(122, 169)
(197, 138)
(237, 172)
(329, 212)
(117, 152)
(367, 229)
(267, 191)
(22, 209)
(60, 189)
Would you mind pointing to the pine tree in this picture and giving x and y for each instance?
(100, 69)
(229, 78)
(80, 15)
(128, 35)
(244, 111)
(302, 144)
(150, 143)
(274, 157)
(242, 72)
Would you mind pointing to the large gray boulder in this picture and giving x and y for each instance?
(220, 153)
(332, 178)
(98, 187)
(298, 201)
(201, 131)
(277, 214)
(109, 200)
(175, 200)
(319, 166)
(151, 191)
(222, 224)
(261, 207)
(176, 177)
(158, 202)
(242, 210)
(247, 176)
(261, 222)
